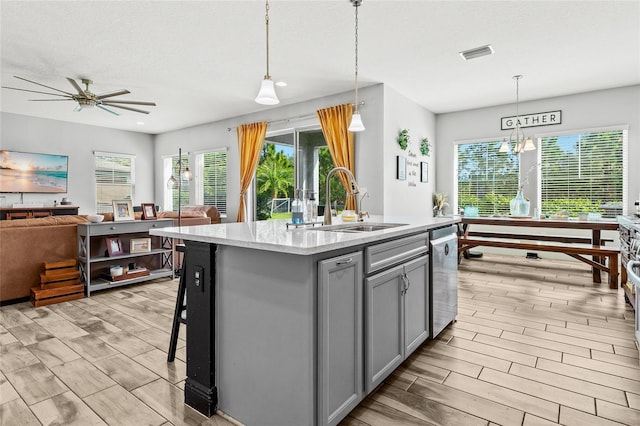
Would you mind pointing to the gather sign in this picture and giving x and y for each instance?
(532, 120)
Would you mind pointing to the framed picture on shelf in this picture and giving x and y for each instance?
(140, 245)
(401, 173)
(114, 247)
(424, 172)
(123, 210)
(149, 211)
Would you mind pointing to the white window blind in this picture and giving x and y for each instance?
(487, 178)
(584, 172)
(211, 179)
(115, 179)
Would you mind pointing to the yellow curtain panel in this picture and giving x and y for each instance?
(335, 124)
(250, 141)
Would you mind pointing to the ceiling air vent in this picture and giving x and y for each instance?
(477, 52)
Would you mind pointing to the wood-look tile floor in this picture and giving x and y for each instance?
(536, 343)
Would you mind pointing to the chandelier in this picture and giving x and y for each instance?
(517, 138)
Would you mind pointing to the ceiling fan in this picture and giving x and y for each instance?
(85, 98)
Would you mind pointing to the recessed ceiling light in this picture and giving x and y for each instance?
(476, 52)
(281, 83)
(140, 123)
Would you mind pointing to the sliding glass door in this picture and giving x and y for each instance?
(291, 159)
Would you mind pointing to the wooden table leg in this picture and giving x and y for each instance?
(613, 271)
(595, 240)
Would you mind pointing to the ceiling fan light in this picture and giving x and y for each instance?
(356, 123)
(267, 94)
(505, 146)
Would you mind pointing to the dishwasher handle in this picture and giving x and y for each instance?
(448, 241)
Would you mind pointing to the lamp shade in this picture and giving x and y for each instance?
(356, 123)
(505, 146)
(528, 145)
(267, 94)
(171, 182)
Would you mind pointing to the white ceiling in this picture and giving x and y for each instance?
(203, 61)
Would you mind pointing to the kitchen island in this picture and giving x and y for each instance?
(295, 326)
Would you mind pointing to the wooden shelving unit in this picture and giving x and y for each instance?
(94, 260)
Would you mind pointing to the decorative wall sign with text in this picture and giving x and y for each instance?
(532, 120)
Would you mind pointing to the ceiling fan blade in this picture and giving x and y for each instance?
(124, 107)
(45, 100)
(107, 109)
(36, 91)
(77, 87)
(131, 102)
(117, 93)
(39, 84)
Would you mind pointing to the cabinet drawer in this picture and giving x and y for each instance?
(387, 254)
(109, 228)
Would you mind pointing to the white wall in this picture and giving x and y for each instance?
(23, 133)
(603, 108)
(408, 197)
(368, 144)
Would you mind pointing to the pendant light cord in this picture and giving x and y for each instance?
(266, 19)
(356, 73)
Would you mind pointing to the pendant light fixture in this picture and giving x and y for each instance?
(356, 121)
(267, 94)
(172, 182)
(517, 139)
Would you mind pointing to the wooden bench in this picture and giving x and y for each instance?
(604, 258)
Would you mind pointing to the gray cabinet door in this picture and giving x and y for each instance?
(340, 338)
(416, 303)
(384, 311)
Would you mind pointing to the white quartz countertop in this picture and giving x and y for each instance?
(273, 235)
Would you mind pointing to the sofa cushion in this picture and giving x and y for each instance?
(210, 211)
(108, 217)
(44, 221)
(173, 215)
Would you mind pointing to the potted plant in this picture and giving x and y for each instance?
(439, 203)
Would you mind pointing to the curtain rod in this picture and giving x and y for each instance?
(286, 120)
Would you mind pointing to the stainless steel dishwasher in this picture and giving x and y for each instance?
(444, 278)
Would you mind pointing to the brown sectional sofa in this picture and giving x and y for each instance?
(26, 244)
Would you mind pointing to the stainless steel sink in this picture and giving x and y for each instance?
(357, 227)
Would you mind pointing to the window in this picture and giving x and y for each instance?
(115, 179)
(179, 191)
(487, 178)
(584, 172)
(211, 179)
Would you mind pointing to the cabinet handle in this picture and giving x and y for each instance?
(344, 261)
(407, 283)
(154, 225)
(446, 249)
(112, 228)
